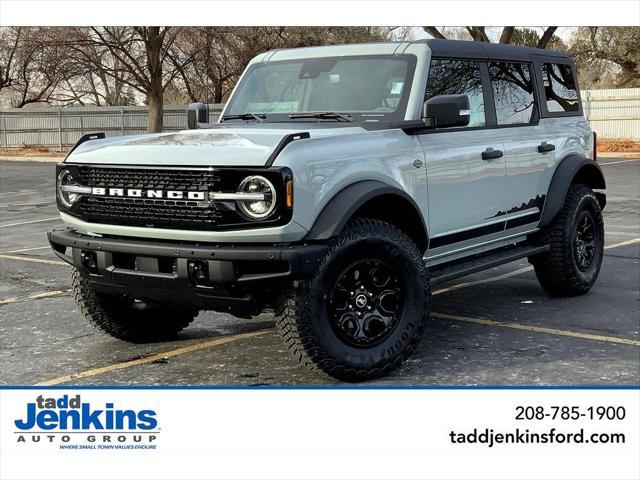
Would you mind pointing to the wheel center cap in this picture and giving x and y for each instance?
(361, 300)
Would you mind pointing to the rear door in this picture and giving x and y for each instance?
(529, 145)
(466, 192)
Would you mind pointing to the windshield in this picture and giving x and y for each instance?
(367, 88)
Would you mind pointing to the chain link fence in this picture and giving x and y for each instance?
(613, 114)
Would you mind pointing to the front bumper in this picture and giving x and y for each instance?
(240, 278)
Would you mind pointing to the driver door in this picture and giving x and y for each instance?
(466, 171)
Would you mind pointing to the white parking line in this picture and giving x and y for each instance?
(604, 164)
(13, 194)
(35, 296)
(32, 259)
(621, 234)
(30, 221)
(6, 205)
(531, 328)
(622, 244)
(26, 249)
(155, 357)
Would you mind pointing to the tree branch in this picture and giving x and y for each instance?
(546, 37)
(507, 33)
(434, 32)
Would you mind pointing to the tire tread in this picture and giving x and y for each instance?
(293, 311)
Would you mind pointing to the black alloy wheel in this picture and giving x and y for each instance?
(366, 302)
(585, 240)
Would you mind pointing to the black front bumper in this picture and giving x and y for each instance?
(240, 278)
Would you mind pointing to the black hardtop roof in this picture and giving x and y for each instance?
(485, 50)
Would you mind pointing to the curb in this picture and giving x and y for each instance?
(618, 154)
(32, 159)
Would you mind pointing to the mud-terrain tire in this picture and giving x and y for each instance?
(126, 319)
(373, 338)
(576, 238)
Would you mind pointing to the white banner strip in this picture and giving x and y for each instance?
(319, 434)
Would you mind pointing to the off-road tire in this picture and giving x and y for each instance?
(122, 319)
(303, 321)
(557, 270)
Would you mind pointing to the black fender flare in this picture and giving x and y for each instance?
(571, 169)
(344, 204)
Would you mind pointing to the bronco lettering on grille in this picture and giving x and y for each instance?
(138, 193)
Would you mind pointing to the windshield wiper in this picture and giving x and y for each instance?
(341, 117)
(258, 117)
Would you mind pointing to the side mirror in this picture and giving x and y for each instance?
(197, 113)
(447, 111)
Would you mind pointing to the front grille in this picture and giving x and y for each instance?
(163, 212)
(159, 213)
(150, 213)
(187, 180)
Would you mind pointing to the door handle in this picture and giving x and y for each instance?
(490, 154)
(546, 147)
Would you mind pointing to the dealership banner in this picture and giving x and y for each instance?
(318, 433)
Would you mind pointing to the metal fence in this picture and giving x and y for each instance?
(613, 114)
(60, 128)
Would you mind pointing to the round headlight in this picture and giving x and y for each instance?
(265, 197)
(67, 199)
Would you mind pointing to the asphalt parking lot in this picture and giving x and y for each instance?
(493, 328)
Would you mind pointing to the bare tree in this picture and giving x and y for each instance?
(507, 33)
(598, 49)
(32, 66)
(221, 53)
(9, 42)
(124, 65)
(139, 59)
(479, 34)
(100, 78)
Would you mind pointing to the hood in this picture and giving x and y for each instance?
(218, 146)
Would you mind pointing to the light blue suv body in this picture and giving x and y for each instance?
(469, 149)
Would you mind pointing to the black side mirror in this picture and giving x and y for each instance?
(447, 111)
(197, 113)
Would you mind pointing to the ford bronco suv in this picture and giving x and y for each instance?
(337, 187)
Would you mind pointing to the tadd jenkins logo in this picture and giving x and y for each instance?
(74, 424)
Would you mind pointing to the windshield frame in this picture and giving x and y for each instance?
(358, 117)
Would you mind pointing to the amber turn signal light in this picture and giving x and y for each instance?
(289, 196)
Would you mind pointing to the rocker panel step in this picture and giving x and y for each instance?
(449, 271)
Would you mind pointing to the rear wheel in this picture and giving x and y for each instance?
(576, 239)
(364, 311)
(125, 318)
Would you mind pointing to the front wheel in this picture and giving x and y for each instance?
(126, 318)
(576, 240)
(364, 311)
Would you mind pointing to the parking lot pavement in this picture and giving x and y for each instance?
(495, 327)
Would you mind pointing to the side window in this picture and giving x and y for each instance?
(458, 77)
(512, 92)
(560, 88)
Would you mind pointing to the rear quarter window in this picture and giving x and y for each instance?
(560, 88)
